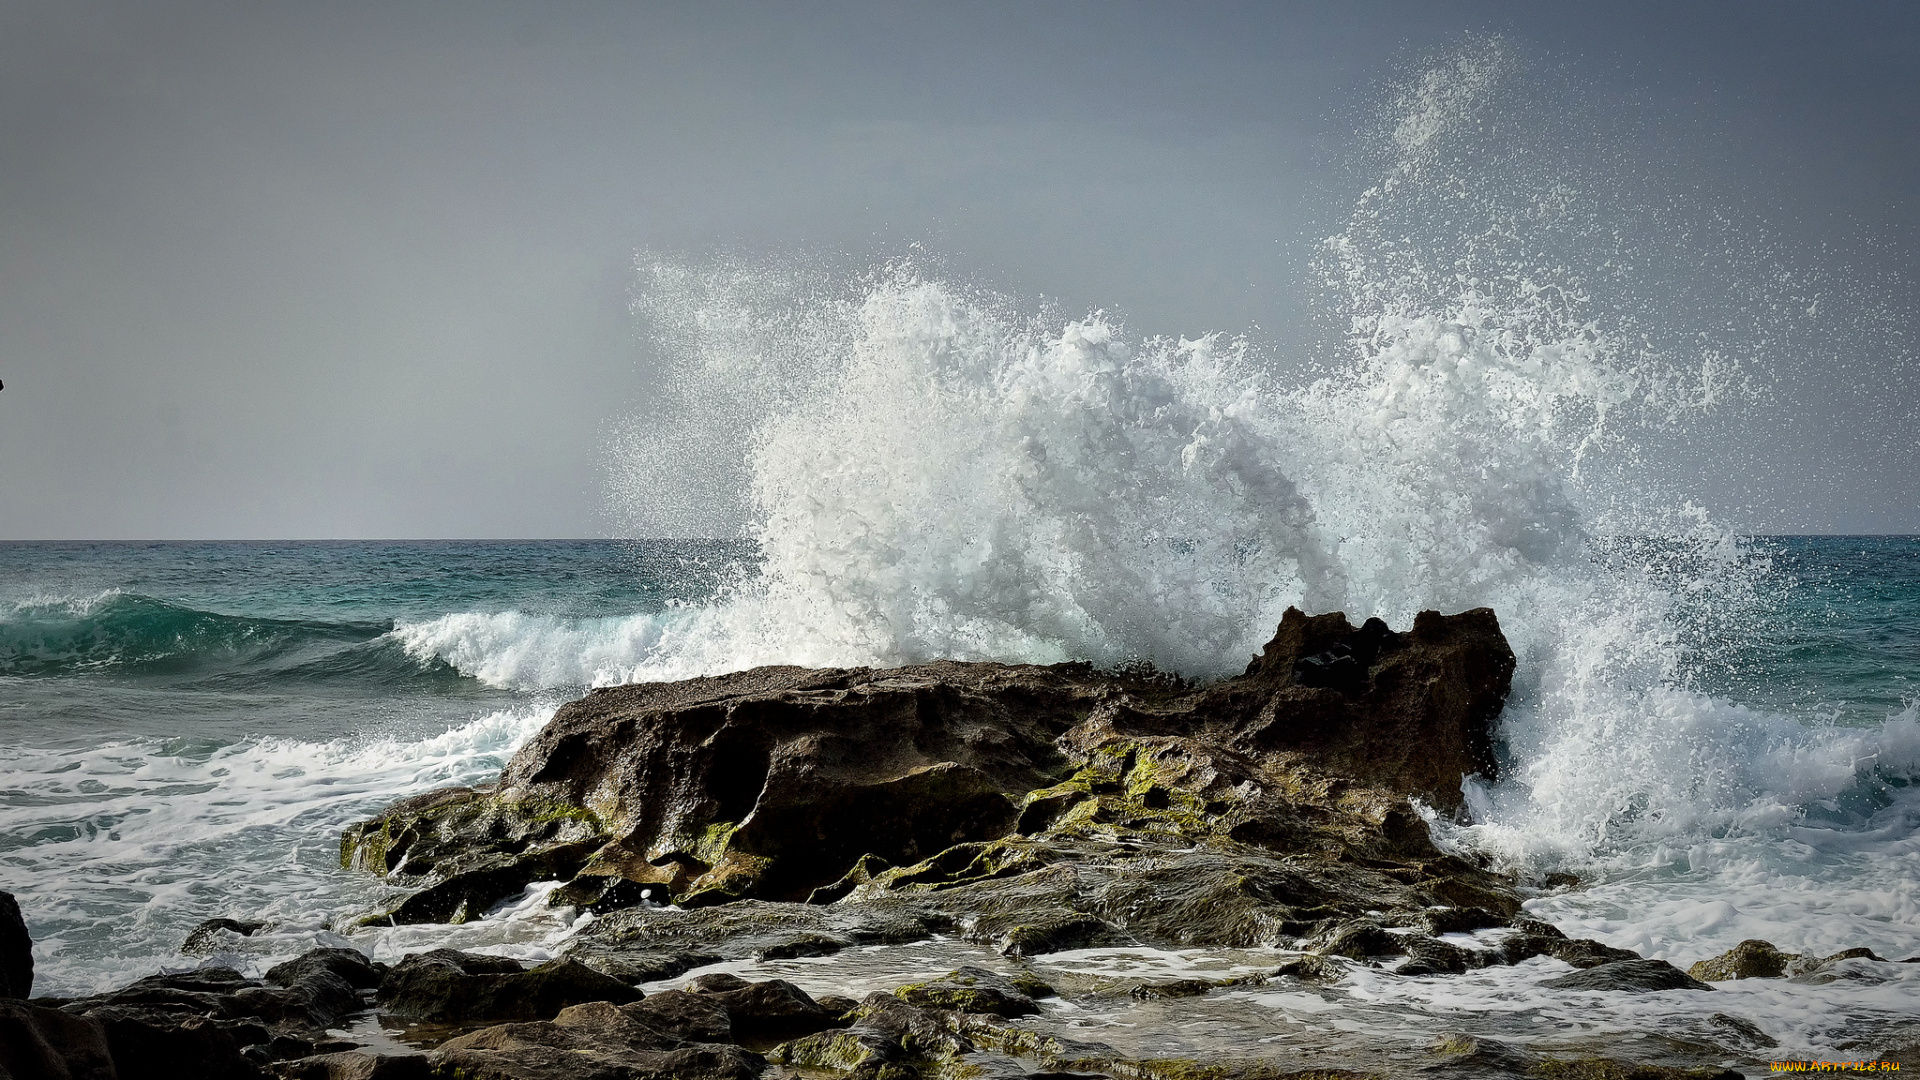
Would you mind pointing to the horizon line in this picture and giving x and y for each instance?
(675, 539)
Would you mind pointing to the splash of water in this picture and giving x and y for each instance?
(930, 472)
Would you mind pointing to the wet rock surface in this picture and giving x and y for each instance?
(1629, 976)
(1007, 814)
(42, 1042)
(1757, 959)
(446, 985)
(797, 785)
(214, 935)
(212, 1022)
(591, 1042)
(970, 990)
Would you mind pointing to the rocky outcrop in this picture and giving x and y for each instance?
(1409, 713)
(40, 1042)
(598, 1041)
(763, 1011)
(1629, 976)
(695, 1034)
(210, 1023)
(836, 786)
(1751, 959)
(973, 990)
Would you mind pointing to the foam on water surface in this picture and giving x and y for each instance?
(115, 852)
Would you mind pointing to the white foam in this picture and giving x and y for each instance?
(931, 471)
(117, 850)
(512, 649)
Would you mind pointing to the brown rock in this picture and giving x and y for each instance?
(1409, 712)
(969, 989)
(764, 1011)
(449, 985)
(1751, 959)
(150, 1047)
(792, 785)
(713, 786)
(693, 1017)
(597, 1041)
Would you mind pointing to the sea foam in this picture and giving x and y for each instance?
(930, 470)
(148, 837)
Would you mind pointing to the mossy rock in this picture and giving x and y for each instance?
(971, 990)
(1751, 959)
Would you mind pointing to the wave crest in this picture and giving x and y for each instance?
(122, 632)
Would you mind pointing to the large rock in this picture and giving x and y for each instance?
(969, 989)
(151, 1045)
(1411, 713)
(1751, 959)
(47, 1044)
(597, 1041)
(350, 966)
(764, 1011)
(447, 985)
(795, 785)
(215, 1023)
(772, 782)
(1629, 976)
(16, 951)
(301, 998)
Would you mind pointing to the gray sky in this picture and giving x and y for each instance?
(362, 270)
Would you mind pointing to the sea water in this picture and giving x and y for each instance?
(188, 727)
(1716, 733)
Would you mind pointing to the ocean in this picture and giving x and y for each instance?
(1716, 734)
(187, 728)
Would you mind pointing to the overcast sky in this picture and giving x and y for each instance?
(363, 270)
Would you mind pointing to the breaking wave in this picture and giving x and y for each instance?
(122, 632)
(930, 470)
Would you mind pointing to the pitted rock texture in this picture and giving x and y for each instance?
(823, 786)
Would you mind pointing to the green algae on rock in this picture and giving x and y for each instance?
(1038, 808)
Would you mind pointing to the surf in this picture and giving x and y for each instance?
(930, 469)
(131, 636)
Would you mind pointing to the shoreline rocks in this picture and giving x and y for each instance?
(791, 813)
(838, 786)
(972, 1021)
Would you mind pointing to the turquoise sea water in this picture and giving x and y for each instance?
(184, 728)
(217, 641)
(1842, 639)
